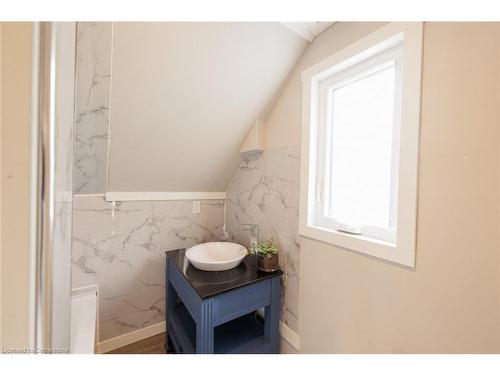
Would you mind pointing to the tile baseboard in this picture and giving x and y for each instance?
(289, 335)
(130, 338)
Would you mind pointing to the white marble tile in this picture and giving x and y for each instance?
(293, 250)
(93, 75)
(265, 191)
(122, 250)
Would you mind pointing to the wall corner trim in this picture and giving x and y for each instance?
(254, 141)
(163, 195)
(289, 335)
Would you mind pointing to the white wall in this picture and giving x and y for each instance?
(285, 120)
(16, 141)
(350, 303)
(122, 249)
(184, 95)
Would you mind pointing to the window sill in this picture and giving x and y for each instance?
(360, 244)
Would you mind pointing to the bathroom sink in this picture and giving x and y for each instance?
(216, 256)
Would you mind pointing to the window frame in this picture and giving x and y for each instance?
(326, 87)
(407, 39)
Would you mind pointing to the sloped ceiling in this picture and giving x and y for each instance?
(183, 97)
(308, 30)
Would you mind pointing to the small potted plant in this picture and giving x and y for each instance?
(267, 255)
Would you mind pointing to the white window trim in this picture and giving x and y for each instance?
(360, 69)
(411, 36)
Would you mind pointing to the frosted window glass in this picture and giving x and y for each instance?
(362, 120)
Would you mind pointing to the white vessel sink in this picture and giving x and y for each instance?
(216, 256)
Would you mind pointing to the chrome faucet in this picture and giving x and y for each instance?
(254, 234)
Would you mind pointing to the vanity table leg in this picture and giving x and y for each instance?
(170, 303)
(272, 315)
(205, 329)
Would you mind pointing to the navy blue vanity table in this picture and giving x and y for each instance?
(215, 312)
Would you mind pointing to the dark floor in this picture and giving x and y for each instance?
(151, 345)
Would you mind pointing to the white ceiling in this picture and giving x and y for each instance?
(184, 95)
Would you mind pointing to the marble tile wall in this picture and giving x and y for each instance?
(122, 250)
(265, 191)
(93, 75)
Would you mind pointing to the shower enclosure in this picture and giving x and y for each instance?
(52, 183)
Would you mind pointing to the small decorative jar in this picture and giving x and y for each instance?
(268, 263)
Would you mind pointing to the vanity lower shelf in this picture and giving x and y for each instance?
(239, 336)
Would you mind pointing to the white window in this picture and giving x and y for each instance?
(361, 132)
